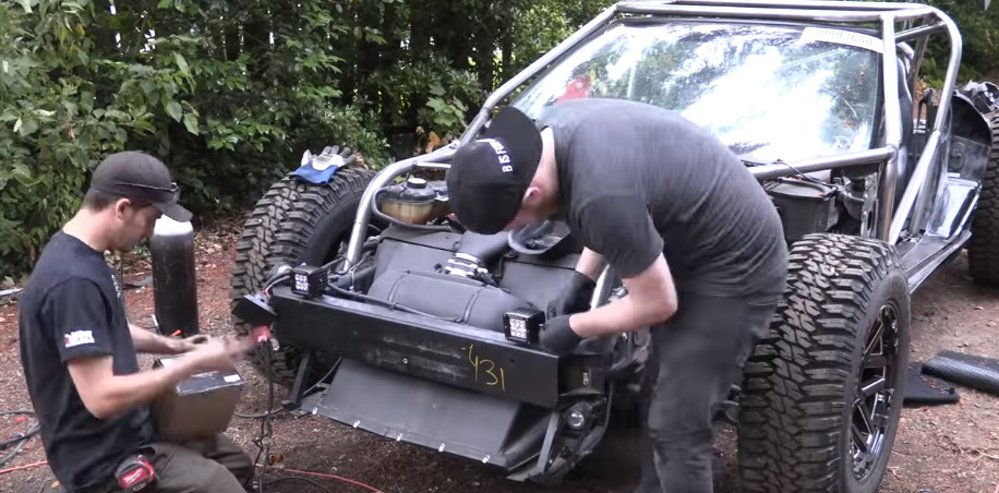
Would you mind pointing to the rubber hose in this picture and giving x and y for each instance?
(483, 247)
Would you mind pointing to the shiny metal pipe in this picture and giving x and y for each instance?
(893, 128)
(804, 4)
(772, 13)
(533, 69)
(918, 179)
(871, 156)
(358, 232)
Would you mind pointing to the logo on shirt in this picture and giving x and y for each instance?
(117, 286)
(501, 154)
(78, 338)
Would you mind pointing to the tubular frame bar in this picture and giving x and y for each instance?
(800, 10)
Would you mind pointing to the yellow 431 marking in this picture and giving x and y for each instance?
(488, 368)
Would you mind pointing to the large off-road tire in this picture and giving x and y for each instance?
(837, 352)
(983, 249)
(294, 222)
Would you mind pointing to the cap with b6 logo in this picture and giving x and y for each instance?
(488, 176)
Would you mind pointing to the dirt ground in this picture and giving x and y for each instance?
(944, 449)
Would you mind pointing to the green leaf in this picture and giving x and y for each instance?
(26, 4)
(23, 171)
(181, 63)
(436, 104)
(174, 110)
(191, 122)
(164, 4)
(28, 126)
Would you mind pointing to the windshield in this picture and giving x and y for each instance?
(767, 92)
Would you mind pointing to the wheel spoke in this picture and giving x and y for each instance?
(875, 338)
(859, 440)
(871, 407)
(879, 417)
(865, 416)
(873, 387)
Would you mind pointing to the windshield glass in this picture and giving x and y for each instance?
(767, 92)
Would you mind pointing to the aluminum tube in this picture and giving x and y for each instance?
(770, 13)
(804, 4)
(893, 128)
(917, 63)
(532, 69)
(952, 68)
(363, 216)
(921, 31)
(926, 160)
(871, 156)
(916, 182)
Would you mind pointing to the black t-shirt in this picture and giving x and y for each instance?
(72, 308)
(637, 180)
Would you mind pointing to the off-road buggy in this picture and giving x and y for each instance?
(396, 321)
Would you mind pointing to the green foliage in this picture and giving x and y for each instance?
(979, 29)
(230, 93)
(52, 122)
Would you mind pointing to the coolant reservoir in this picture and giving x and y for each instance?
(175, 289)
(412, 202)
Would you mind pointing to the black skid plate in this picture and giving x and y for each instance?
(451, 420)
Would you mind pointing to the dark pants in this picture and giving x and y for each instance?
(204, 466)
(695, 358)
(201, 467)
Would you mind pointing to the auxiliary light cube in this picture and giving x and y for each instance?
(523, 325)
(309, 281)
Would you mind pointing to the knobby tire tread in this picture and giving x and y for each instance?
(791, 410)
(983, 249)
(279, 230)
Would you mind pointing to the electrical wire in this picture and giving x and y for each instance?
(13, 453)
(31, 432)
(303, 480)
(259, 415)
(279, 409)
(21, 468)
(22, 440)
(349, 481)
(16, 411)
(263, 441)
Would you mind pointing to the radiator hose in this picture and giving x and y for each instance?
(483, 248)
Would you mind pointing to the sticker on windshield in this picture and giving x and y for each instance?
(837, 36)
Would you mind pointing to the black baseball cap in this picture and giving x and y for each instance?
(488, 176)
(141, 178)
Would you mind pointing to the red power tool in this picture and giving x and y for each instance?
(135, 473)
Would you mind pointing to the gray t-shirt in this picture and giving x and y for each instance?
(636, 180)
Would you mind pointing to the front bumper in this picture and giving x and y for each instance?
(434, 349)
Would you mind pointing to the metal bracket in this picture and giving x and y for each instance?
(294, 400)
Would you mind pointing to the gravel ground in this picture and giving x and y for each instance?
(944, 449)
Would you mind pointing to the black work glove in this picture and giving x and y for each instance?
(575, 298)
(558, 337)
